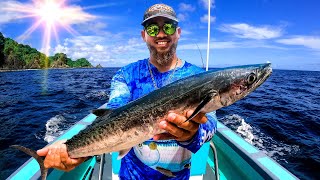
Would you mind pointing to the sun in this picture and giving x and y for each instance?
(50, 15)
(50, 12)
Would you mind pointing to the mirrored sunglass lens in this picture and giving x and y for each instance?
(169, 29)
(152, 30)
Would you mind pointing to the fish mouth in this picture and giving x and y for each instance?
(264, 74)
(240, 90)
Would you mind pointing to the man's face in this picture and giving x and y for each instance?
(162, 47)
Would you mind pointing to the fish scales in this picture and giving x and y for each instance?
(185, 94)
(136, 122)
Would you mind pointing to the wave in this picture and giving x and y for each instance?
(267, 144)
(53, 128)
(276, 149)
(97, 95)
(238, 124)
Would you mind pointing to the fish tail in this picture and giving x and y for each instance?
(44, 171)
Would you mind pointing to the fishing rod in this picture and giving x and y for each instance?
(209, 23)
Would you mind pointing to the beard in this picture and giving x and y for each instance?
(163, 58)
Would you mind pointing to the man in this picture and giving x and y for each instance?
(167, 155)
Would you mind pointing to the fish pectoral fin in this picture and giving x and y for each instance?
(101, 112)
(122, 153)
(201, 105)
(165, 171)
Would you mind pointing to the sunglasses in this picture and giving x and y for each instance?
(154, 29)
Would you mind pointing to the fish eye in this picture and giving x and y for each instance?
(251, 78)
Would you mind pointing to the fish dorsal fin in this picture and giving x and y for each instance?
(122, 153)
(101, 112)
(201, 105)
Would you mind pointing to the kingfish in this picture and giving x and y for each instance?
(122, 128)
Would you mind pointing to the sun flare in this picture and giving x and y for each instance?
(50, 12)
(50, 15)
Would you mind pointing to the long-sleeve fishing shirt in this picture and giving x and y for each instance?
(147, 160)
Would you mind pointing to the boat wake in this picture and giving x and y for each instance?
(97, 95)
(238, 124)
(275, 149)
(54, 128)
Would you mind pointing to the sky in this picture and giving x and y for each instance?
(108, 32)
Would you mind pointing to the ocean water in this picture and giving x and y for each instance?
(281, 118)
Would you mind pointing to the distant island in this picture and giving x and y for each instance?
(15, 56)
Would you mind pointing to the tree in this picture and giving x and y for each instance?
(82, 62)
(18, 56)
(2, 41)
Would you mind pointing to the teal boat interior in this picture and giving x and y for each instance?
(227, 156)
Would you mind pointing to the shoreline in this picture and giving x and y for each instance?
(14, 70)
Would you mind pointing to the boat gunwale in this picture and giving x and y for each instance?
(252, 158)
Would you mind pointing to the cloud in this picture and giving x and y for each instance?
(312, 42)
(243, 30)
(213, 45)
(251, 44)
(204, 19)
(6, 15)
(183, 16)
(100, 49)
(205, 3)
(186, 7)
(186, 32)
(96, 27)
(61, 49)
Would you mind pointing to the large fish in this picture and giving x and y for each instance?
(124, 127)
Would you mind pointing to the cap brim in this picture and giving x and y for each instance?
(159, 15)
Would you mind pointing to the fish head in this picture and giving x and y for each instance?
(242, 81)
(232, 84)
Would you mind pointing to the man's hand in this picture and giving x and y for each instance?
(177, 128)
(56, 156)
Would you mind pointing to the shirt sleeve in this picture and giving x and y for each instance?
(119, 91)
(204, 134)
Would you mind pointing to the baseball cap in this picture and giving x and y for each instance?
(161, 10)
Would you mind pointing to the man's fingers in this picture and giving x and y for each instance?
(48, 160)
(43, 151)
(63, 154)
(199, 118)
(163, 136)
(53, 157)
(173, 129)
(177, 126)
(56, 157)
(77, 161)
(179, 121)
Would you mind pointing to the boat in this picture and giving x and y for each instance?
(226, 156)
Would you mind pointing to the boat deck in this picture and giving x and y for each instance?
(108, 175)
(237, 160)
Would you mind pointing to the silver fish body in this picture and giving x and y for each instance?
(136, 122)
(129, 125)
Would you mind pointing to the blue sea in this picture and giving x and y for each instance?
(281, 118)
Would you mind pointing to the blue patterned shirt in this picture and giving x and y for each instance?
(144, 160)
